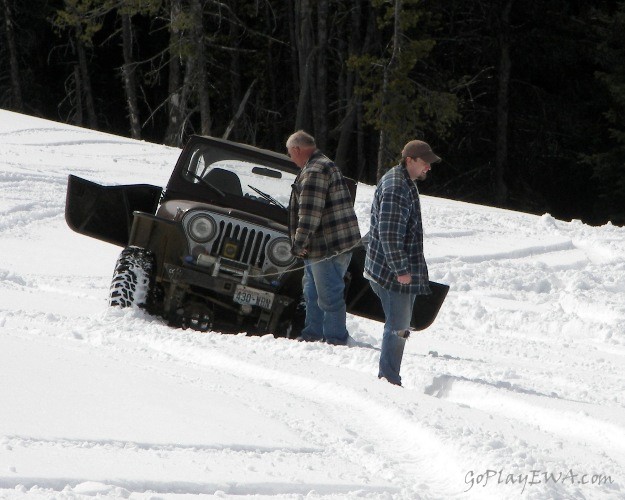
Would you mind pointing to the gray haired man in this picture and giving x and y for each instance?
(324, 230)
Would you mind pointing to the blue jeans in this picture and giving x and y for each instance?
(325, 304)
(397, 313)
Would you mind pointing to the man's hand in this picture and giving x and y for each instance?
(299, 252)
(405, 279)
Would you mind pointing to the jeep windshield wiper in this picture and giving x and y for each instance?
(269, 198)
(203, 180)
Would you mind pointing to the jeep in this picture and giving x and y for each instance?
(211, 251)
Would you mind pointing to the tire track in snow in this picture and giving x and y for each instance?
(108, 465)
(20, 219)
(402, 465)
(20, 209)
(67, 131)
(550, 414)
(10, 442)
(365, 421)
(419, 459)
(515, 253)
(259, 469)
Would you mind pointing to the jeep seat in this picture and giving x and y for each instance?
(225, 180)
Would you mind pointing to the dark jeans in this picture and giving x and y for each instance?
(397, 312)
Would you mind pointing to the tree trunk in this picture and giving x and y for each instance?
(130, 81)
(235, 78)
(293, 13)
(304, 43)
(79, 113)
(187, 89)
(361, 153)
(383, 154)
(175, 105)
(16, 86)
(343, 157)
(503, 101)
(272, 89)
(201, 70)
(319, 104)
(239, 111)
(89, 102)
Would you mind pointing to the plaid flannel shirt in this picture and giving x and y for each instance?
(396, 236)
(322, 219)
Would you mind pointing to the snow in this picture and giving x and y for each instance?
(516, 391)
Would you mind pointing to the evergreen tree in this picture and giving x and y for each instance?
(608, 165)
(400, 101)
(15, 100)
(523, 99)
(79, 20)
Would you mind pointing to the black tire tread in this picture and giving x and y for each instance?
(132, 278)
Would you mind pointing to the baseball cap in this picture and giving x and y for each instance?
(419, 149)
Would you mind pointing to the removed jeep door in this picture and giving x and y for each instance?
(106, 212)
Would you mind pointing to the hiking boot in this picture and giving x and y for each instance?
(390, 381)
(301, 338)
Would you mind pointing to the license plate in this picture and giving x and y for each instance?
(251, 296)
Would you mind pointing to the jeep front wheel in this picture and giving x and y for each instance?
(132, 278)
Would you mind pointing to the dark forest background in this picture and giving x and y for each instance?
(523, 99)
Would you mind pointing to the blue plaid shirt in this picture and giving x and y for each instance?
(396, 236)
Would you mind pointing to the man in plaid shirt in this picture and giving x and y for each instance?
(395, 264)
(324, 230)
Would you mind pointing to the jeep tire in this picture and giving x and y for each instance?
(133, 278)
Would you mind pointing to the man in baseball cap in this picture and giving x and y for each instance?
(415, 150)
(395, 265)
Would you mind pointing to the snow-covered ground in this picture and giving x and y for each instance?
(517, 390)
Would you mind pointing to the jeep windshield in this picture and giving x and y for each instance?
(240, 178)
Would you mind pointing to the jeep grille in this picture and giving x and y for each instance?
(251, 240)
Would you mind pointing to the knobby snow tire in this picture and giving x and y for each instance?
(132, 278)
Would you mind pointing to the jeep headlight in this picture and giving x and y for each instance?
(279, 252)
(202, 228)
